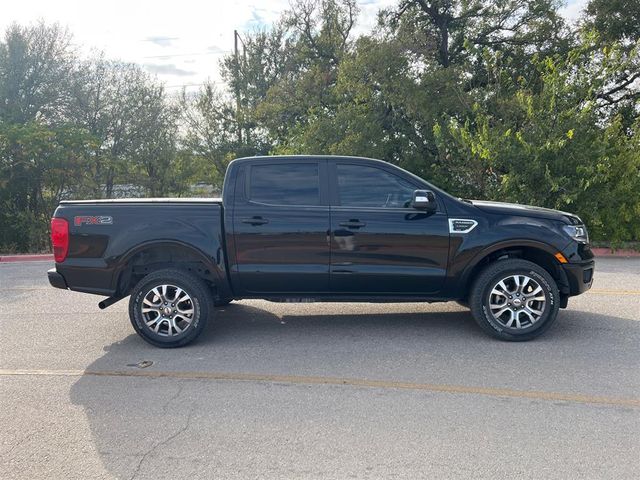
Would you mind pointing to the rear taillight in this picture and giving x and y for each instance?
(60, 238)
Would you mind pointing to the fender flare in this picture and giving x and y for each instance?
(212, 264)
(515, 243)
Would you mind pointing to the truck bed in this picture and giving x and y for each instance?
(142, 201)
(104, 235)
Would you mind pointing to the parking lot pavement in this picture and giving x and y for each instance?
(318, 390)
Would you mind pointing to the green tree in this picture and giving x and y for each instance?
(452, 32)
(210, 133)
(310, 42)
(614, 20)
(130, 114)
(549, 147)
(72, 128)
(498, 100)
(35, 67)
(39, 166)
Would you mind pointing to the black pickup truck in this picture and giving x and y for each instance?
(321, 228)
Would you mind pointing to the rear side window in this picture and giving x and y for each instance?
(285, 184)
(362, 186)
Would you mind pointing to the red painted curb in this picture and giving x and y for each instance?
(606, 252)
(26, 258)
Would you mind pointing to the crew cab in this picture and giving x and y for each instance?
(322, 229)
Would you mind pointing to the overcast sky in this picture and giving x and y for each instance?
(180, 41)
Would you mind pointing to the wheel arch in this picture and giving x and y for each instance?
(537, 252)
(151, 256)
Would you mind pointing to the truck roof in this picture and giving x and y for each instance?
(301, 157)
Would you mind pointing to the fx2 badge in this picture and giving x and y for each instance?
(90, 220)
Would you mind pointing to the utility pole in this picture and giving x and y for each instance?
(236, 36)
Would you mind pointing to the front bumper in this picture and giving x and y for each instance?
(56, 280)
(580, 276)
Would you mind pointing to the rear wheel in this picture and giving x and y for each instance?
(169, 308)
(514, 300)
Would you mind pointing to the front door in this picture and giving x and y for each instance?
(380, 244)
(281, 222)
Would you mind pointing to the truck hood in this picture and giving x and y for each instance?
(502, 208)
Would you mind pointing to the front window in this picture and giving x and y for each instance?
(362, 186)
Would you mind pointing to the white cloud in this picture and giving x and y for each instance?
(573, 9)
(161, 41)
(168, 69)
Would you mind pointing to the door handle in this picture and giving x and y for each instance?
(353, 223)
(255, 221)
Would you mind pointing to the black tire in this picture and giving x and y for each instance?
(481, 294)
(199, 302)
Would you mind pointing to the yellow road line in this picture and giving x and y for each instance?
(355, 382)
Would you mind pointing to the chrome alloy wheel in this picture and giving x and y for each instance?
(167, 310)
(517, 302)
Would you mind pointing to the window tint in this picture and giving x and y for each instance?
(285, 184)
(361, 186)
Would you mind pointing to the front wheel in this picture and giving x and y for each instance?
(514, 300)
(169, 308)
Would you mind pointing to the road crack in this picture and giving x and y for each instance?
(171, 437)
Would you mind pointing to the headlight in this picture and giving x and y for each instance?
(577, 232)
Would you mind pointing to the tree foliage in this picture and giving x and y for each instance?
(74, 128)
(487, 99)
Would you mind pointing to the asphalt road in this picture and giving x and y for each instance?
(318, 390)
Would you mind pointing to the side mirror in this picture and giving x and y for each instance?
(424, 200)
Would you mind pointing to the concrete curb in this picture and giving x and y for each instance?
(26, 258)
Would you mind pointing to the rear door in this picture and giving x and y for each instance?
(281, 224)
(380, 244)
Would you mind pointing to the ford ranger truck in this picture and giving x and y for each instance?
(322, 229)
